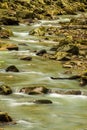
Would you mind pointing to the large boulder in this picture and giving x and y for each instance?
(5, 33)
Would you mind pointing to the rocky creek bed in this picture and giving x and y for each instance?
(43, 59)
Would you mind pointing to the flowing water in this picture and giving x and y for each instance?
(66, 113)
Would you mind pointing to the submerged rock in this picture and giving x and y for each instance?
(12, 68)
(35, 90)
(4, 89)
(43, 101)
(69, 92)
(26, 58)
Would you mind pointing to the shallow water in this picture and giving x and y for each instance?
(66, 113)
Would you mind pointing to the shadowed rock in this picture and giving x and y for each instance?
(27, 58)
(41, 52)
(12, 68)
(10, 48)
(43, 101)
(74, 77)
(4, 117)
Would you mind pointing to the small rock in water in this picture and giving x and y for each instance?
(12, 68)
(27, 58)
(43, 101)
(41, 52)
(4, 89)
(4, 117)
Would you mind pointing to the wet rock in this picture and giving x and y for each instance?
(7, 46)
(69, 92)
(5, 33)
(13, 47)
(74, 77)
(27, 58)
(43, 101)
(83, 81)
(35, 90)
(12, 68)
(9, 21)
(41, 52)
(6, 90)
(4, 117)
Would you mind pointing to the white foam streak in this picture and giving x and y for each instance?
(22, 104)
(21, 34)
(25, 123)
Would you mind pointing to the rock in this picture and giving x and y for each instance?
(8, 46)
(12, 68)
(5, 33)
(9, 21)
(43, 101)
(4, 117)
(69, 92)
(35, 90)
(83, 81)
(41, 52)
(27, 58)
(74, 77)
(13, 47)
(74, 50)
(4, 89)
(73, 92)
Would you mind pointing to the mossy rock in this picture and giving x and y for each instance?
(6, 90)
(5, 33)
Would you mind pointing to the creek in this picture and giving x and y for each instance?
(67, 112)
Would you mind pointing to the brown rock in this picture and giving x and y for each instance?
(35, 90)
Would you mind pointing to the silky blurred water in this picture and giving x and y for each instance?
(66, 113)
